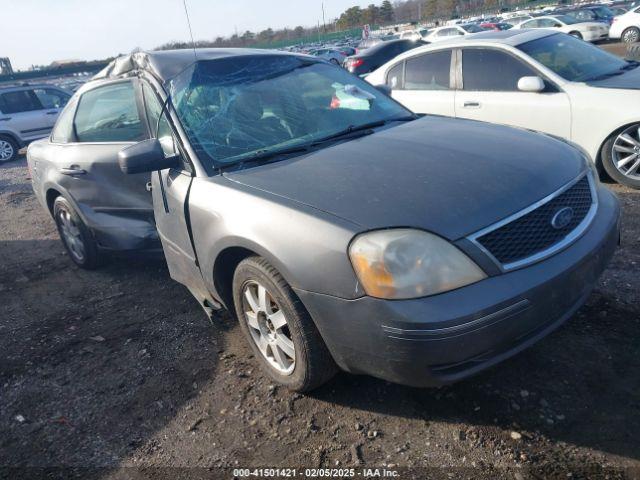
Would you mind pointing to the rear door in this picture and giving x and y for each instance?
(422, 83)
(490, 93)
(108, 118)
(22, 115)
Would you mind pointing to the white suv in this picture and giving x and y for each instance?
(27, 113)
(627, 26)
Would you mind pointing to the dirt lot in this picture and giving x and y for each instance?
(120, 368)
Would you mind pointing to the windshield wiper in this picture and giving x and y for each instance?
(631, 64)
(264, 155)
(361, 130)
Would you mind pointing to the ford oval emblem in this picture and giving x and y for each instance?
(562, 218)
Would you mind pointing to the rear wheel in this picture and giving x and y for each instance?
(279, 329)
(8, 149)
(75, 235)
(621, 156)
(631, 35)
(576, 34)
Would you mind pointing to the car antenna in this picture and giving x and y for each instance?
(193, 44)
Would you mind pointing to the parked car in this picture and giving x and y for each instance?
(516, 20)
(589, 31)
(590, 13)
(275, 202)
(372, 58)
(331, 55)
(535, 79)
(498, 26)
(27, 113)
(451, 31)
(626, 27)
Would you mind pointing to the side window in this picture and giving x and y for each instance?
(548, 23)
(109, 114)
(51, 98)
(428, 72)
(63, 129)
(153, 109)
(492, 70)
(19, 101)
(395, 76)
(530, 24)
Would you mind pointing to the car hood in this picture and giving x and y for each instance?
(628, 80)
(448, 176)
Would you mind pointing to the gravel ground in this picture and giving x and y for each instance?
(117, 368)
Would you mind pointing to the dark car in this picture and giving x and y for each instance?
(343, 234)
(376, 56)
(590, 13)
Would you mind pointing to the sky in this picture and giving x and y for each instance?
(37, 32)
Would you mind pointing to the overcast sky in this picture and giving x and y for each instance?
(41, 31)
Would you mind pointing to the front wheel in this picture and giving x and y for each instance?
(75, 235)
(621, 156)
(280, 331)
(631, 35)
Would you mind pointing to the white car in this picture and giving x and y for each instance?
(516, 20)
(536, 79)
(589, 31)
(451, 31)
(626, 27)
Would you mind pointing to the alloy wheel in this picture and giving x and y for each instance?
(71, 234)
(6, 151)
(626, 152)
(631, 36)
(268, 327)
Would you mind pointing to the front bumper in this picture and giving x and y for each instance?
(447, 337)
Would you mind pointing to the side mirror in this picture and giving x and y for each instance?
(145, 156)
(531, 84)
(384, 88)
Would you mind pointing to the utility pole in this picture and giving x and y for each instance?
(324, 24)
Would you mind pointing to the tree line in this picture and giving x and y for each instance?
(386, 13)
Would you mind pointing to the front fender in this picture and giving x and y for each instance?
(307, 246)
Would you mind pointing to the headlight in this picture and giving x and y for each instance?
(405, 263)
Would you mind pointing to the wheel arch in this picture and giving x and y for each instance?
(598, 158)
(12, 136)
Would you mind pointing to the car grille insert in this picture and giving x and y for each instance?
(543, 230)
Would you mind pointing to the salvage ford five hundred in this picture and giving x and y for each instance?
(341, 230)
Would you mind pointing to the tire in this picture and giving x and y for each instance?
(633, 51)
(576, 34)
(609, 160)
(630, 35)
(310, 364)
(8, 149)
(75, 236)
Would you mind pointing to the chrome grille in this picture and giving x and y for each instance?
(532, 234)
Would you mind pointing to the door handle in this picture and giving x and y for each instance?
(72, 171)
(471, 104)
(55, 112)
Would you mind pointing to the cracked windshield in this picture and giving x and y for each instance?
(236, 109)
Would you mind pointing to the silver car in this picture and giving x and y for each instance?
(27, 113)
(341, 230)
